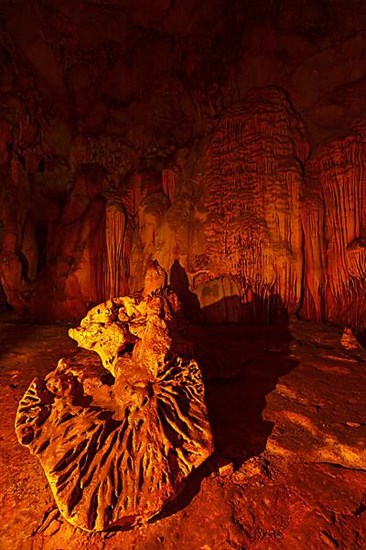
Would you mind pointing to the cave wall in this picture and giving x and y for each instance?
(224, 139)
(334, 220)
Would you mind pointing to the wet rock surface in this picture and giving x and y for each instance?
(286, 408)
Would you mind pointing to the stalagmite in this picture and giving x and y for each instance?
(349, 340)
(117, 448)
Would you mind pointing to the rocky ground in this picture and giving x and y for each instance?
(287, 410)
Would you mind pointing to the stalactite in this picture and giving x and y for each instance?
(170, 183)
(115, 234)
(338, 170)
(254, 184)
(313, 219)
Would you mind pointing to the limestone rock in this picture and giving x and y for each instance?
(334, 228)
(349, 340)
(253, 183)
(177, 133)
(116, 450)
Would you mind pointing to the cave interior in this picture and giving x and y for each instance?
(196, 169)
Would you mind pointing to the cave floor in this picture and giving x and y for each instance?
(287, 410)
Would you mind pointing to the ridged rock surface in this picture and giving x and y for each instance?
(117, 446)
(335, 232)
(253, 185)
(248, 225)
(175, 131)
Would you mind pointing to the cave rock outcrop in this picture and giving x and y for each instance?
(117, 443)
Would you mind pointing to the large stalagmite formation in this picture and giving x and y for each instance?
(116, 450)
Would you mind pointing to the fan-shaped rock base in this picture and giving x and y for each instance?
(116, 447)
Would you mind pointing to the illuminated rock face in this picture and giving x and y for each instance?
(249, 230)
(115, 451)
(262, 230)
(239, 240)
(334, 219)
(253, 186)
(176, 133)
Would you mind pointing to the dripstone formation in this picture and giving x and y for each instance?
(226, 140)
(117, 446)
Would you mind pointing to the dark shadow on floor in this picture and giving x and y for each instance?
(361, 337)
(241, 364)
(20, 339)
(179, 283)
(13, 330)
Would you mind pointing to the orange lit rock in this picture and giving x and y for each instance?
(116, 451)
(115, 239)
(177, 134)
(253, 180)
(349, 340)
(334, 220)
